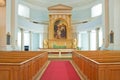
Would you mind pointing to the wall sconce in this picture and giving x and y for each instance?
(2, 3)
(111, 37)
(8, 38)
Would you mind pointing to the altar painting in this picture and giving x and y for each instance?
(60, 29)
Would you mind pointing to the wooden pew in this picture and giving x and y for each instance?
(98, 65)
(21, 65)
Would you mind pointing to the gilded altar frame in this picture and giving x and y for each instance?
(59, 34)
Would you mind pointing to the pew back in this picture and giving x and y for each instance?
(98, 65)
(21, 65)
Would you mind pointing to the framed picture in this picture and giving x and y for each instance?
(60, 29)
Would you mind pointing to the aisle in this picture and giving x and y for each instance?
(60, 70)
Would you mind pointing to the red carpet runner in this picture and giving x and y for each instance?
(60, 70)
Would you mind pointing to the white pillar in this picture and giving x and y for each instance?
(22, 39)
(3, 28)
(97, 38)
(30, 40)
(106, 23)
(88, 39)
(14, 11)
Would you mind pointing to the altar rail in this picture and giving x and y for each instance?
(17, 65)
(98, 65)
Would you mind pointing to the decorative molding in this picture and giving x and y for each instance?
(60, 7)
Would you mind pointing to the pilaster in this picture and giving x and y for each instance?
(106, 23)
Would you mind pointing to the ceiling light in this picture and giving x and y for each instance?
(2, 3)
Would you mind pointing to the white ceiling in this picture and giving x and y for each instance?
(44, 4)
(48, 3)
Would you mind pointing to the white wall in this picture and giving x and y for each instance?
(81, 14)
(39, 15)
(84, 41)
(114, 23)
(8, 15)
(93, 24)
(27, 25)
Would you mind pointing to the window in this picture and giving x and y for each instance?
(93, 40)
(23, 11)
(40, 40)
(26, 38)
(19, 39)
(96, 10)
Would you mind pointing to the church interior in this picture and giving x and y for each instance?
(59, 39)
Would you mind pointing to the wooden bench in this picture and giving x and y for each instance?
(98, 65)
(21, 65)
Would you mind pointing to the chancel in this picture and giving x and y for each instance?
(60, 26)
(59, 39)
